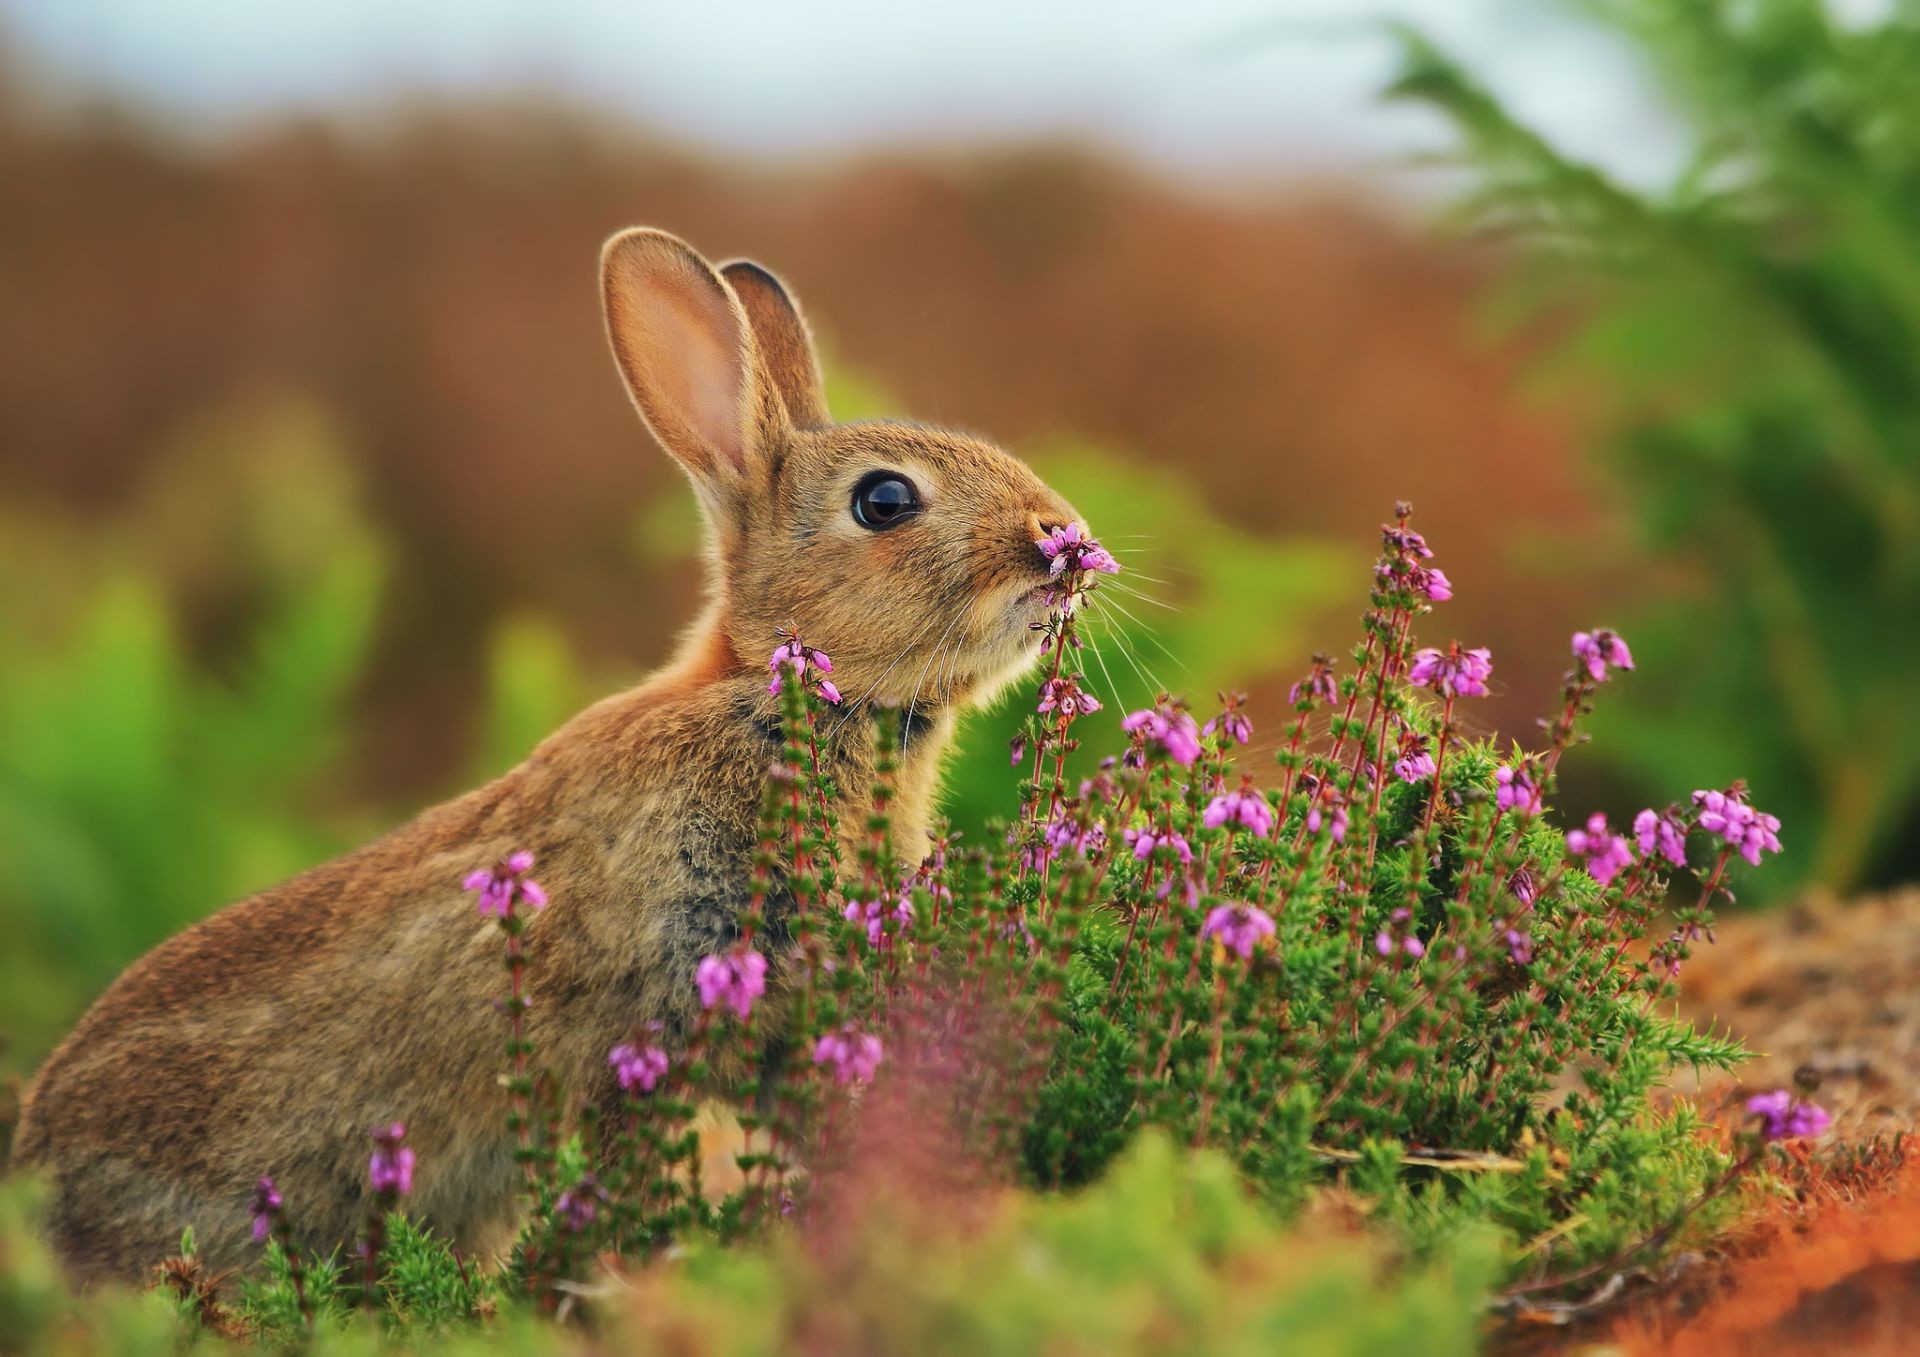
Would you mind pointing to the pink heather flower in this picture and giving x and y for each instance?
(1607, 854)
(1784, 1117)
(1017, 750)
(793, 657)
(1383, 943)
(1334, 815)
(504, 884)
(1434, 582)
(1238, 927)
(1243, 807)
(874, 913)
(1073, 548)
(853, 1055)
(390, 1170)
(579, 1204)
(1453, 671)
(1232, 723)
(638, 1067)
(1747, 831)
(1400, 540)
(735, 979)
(1144, 841)
(1317, 686)
(1519, 947)
(1515, 789)
(266, 1209)
(1168, 727)
(1599, 651)
(1066, 696)
(1414, 763)
(1662, 832)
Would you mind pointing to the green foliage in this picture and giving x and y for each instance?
(138, 787)
(1167, 1254)
(1753, 329)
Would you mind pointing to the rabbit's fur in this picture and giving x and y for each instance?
(272, 1036)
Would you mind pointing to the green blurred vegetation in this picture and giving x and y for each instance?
(1167, 1254)
(180, 713)
(1751, 330)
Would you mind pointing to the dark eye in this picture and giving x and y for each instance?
(884, 499)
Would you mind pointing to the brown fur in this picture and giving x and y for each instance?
(271, 1037)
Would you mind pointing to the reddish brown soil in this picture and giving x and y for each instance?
(1820, 991)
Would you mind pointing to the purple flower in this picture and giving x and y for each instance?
(1317, 686)
(735, 979)
(390, 1170)
(1598, 651)
(504, 884)
(1400, 540)
(1243, 807)
(1017, 750)
(1607, 854)
(1784, 1117)
(1073, 548)
(638, 1067)
(1453, 671)
(266, 1209)
(579, 1204)
(1663, 832)
(1232, 723)
(794, 657)
(853, 1055)
(1144, 841)
(1519, 947)
(1238, 927)
(1515, 788)
(1168, 727)
(1434, 583)
(874, 913)
(1747, 831)
(1333, 815)
(1414, 763)
(1066, 696)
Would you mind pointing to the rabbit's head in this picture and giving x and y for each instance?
(907, 553)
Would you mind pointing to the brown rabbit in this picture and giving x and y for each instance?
(272, 1036)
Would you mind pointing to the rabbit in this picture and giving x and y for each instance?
(270, 1037)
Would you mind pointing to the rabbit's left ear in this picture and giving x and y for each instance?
(683, 343)
(786, 345)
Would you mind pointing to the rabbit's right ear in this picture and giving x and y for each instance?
(786, 345)
(687, 353)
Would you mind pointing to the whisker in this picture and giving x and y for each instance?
(854, 705)
(914, 700)
(1143, 597)
(1126, 653)
(1147, 632)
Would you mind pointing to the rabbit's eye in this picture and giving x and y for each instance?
(884, 499)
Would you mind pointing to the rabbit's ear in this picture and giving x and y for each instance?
(687, 352)
(786, 345)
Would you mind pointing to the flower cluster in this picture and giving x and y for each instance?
(1601, 651)
(1165, 729)
(1239, 928)
(733, 980)
(1607, 854)
(390, 1169)
(852, 1055)
(804, 664)
(1784, 1117)
(1453, 671)
(638, 1069)
(1071, 549)
(265, 1210)
(1746, 831)
(506, 884)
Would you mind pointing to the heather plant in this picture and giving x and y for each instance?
(1378, 964)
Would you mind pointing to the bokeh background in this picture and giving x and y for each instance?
(320, 499)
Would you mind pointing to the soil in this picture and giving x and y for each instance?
(1827, 996)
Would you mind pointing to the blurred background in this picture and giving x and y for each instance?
(320, 499)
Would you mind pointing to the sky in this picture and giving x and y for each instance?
(1204, 88)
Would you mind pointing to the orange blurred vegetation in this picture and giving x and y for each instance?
(1304, 359)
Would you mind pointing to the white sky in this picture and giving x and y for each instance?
(1196, 86)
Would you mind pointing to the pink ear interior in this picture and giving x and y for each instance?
(682, 344)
